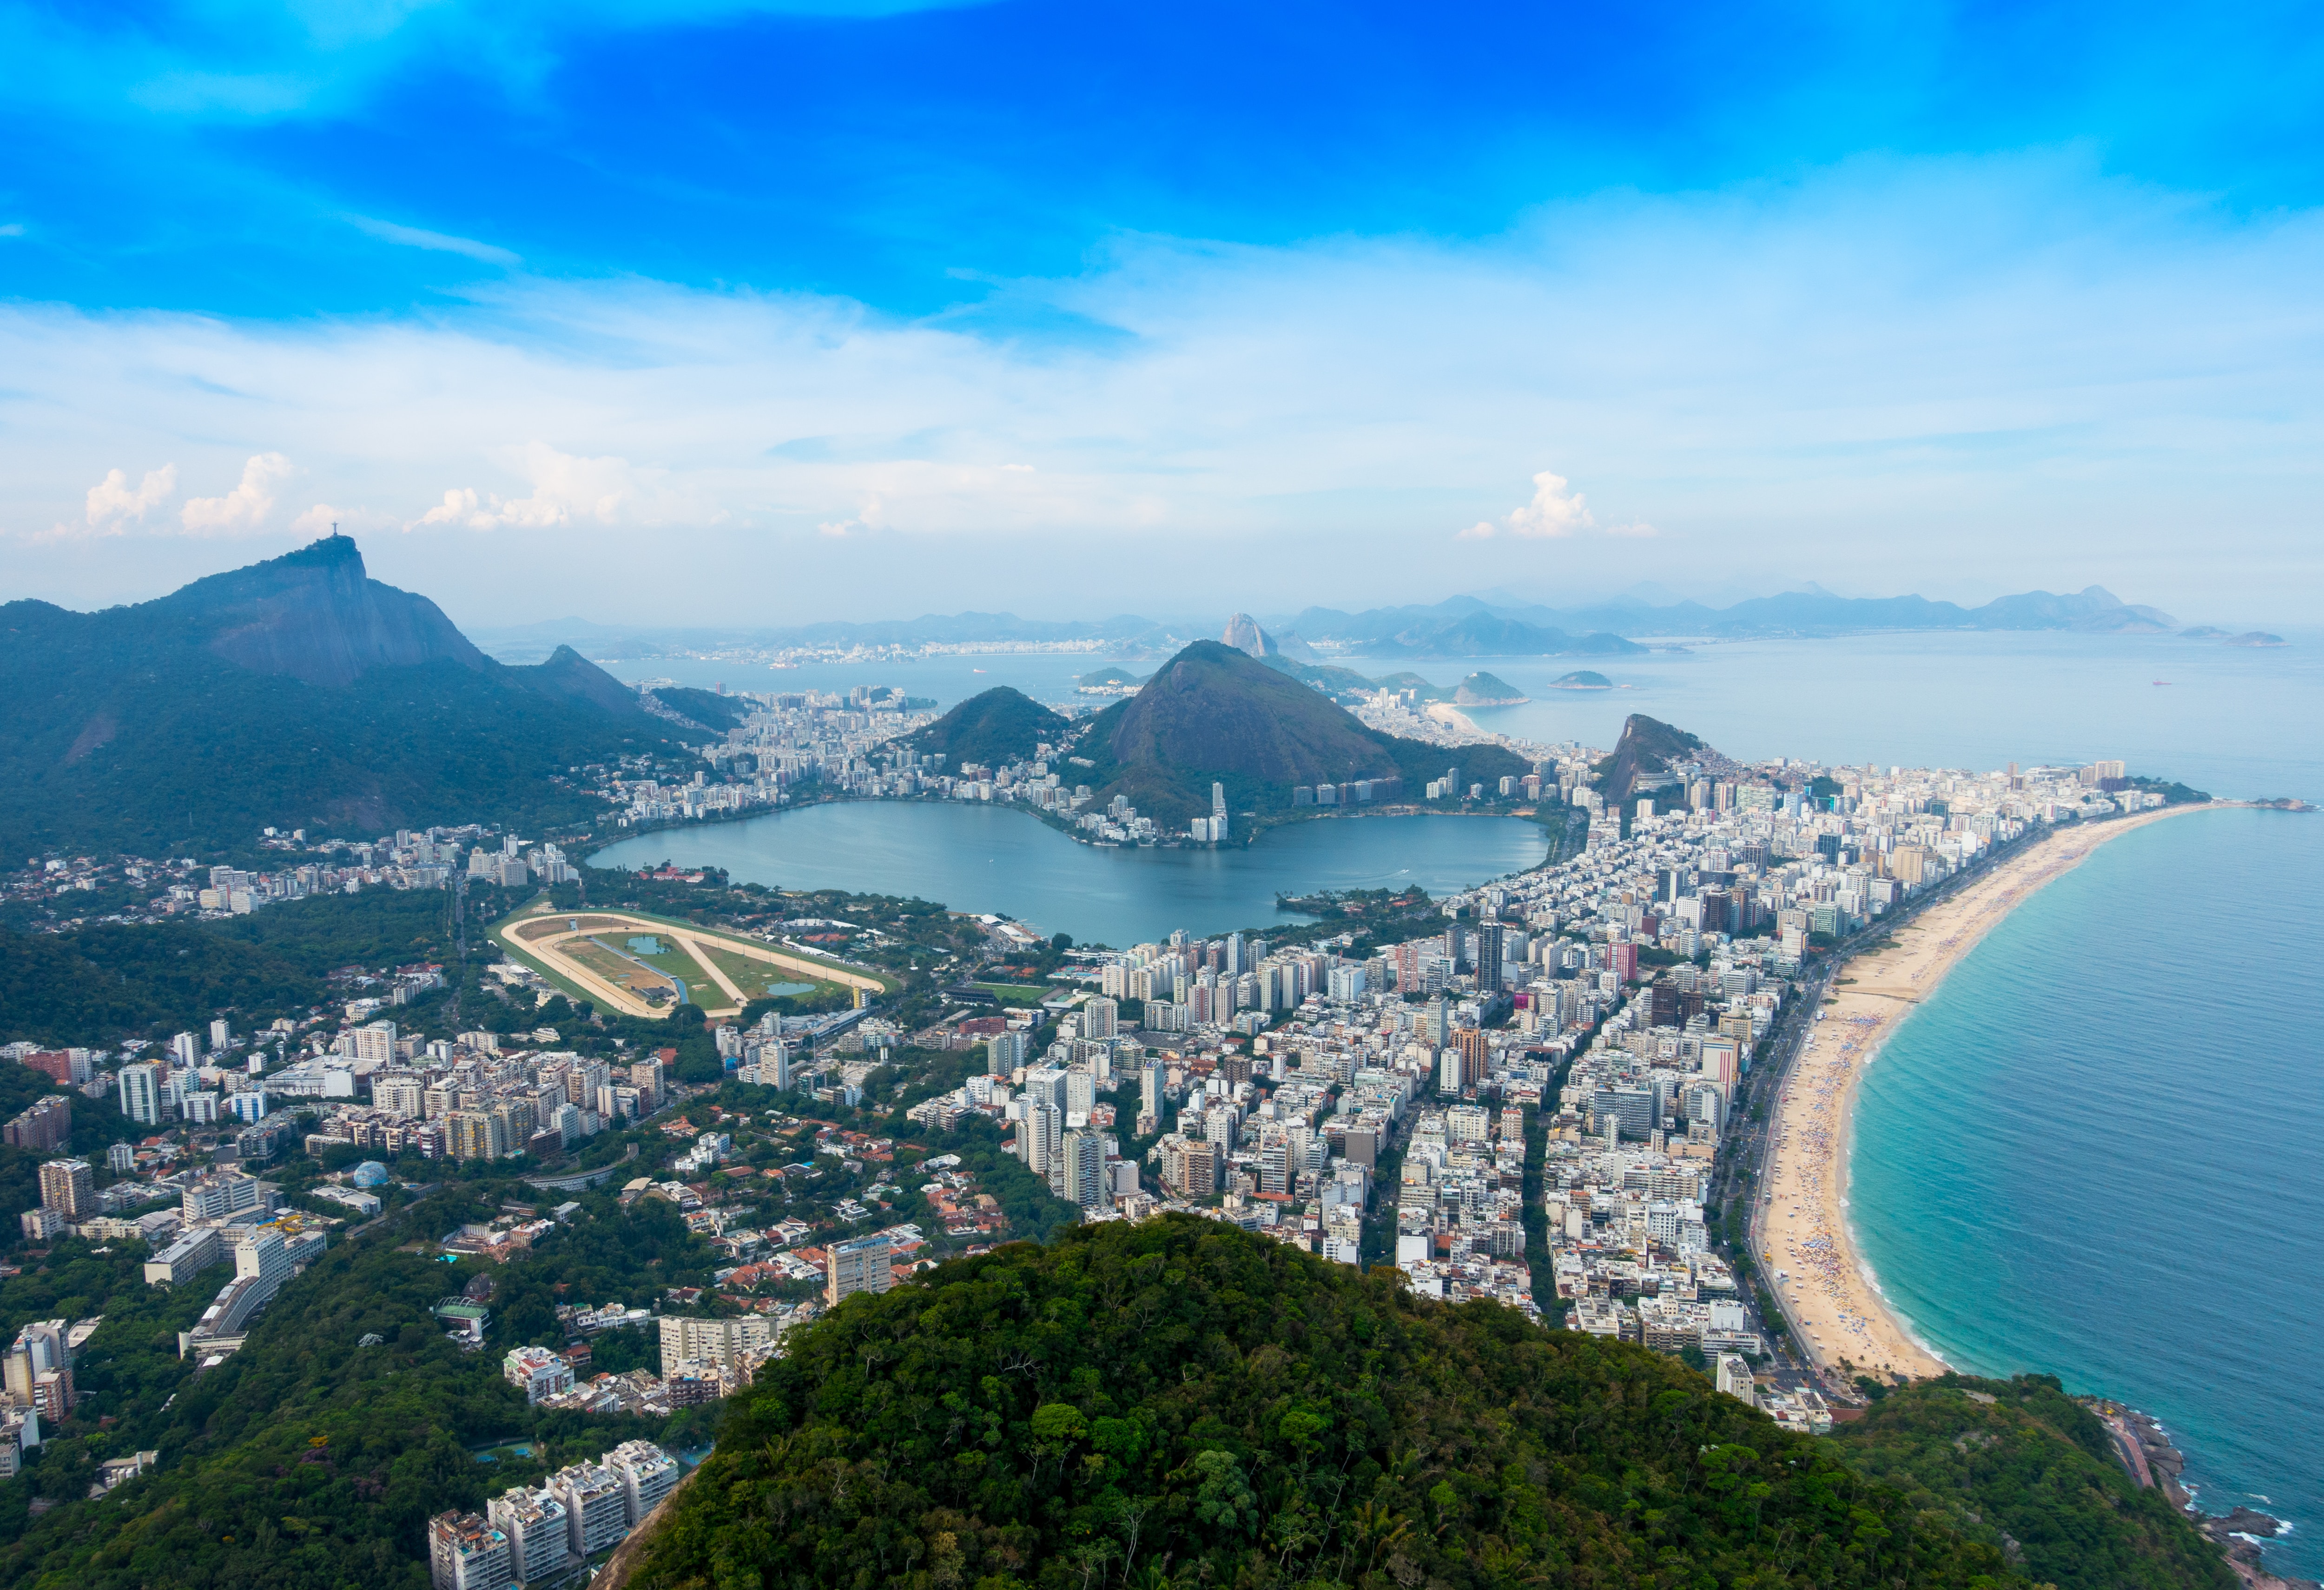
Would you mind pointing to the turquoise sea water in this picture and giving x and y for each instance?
(2093, 1151)
(985, 858)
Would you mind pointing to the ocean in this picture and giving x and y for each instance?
(2094, 1152)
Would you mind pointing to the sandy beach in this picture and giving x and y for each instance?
(1804, 1238)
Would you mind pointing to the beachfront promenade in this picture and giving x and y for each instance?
(1801, 1237)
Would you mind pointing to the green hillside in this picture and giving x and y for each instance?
(1213, 714)
(2026, 1469)
(998, 727)
(101, 983)
(1178, 1402)
(1485, 689)
(310, 1460)
(712, 711)
(296, 693)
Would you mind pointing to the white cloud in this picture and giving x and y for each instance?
(458, 507)
(566, 489)
(112, 505)
(13, 229)
(1558, 510)
(244, 509)
(438, 242)
(1895, 373)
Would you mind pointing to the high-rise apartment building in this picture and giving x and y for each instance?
(710, 1341)
(648, 1475)
(43, 1129)
(69, 1187)
(1489, 958)
(1083, 1164)
(596, 1507)
(860, 1265)
(539, 1535)
(465, 1552)
(140, 1091)
(401, 1093)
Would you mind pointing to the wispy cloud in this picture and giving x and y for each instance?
(439, 242)
(1874, 363)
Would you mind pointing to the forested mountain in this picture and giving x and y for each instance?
(1178, 1402)
(996, 727)
(1213, 714)
(295, 693)
(2023, 1467)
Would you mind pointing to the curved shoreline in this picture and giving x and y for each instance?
(1805, 1243)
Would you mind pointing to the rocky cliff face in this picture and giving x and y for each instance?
(1647, 747)
(1245, 637)
(315, 616)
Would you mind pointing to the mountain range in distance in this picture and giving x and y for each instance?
(1493, 626)
(1342, 685)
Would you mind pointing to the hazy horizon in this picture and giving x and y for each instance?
(764, 313)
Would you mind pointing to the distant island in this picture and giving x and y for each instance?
(2256, 637)
(1583, 681)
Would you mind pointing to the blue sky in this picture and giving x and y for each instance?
(866, 308)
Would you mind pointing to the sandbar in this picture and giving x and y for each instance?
(1803, 1241)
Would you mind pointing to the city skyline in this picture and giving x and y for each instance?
(889, 310)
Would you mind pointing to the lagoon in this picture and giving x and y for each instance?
(985, 858)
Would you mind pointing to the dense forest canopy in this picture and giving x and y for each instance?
(1179, 1401)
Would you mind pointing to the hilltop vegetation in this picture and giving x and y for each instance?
(1485, 689)
(2026, 1469)
(712, 711)
(997, 726)
(97, 984)
(1179, 1401)
(309, 1461)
